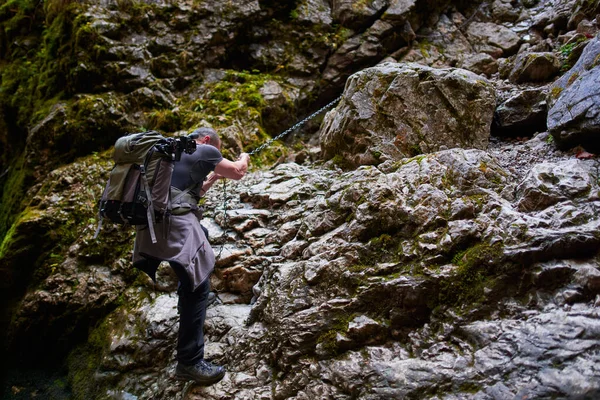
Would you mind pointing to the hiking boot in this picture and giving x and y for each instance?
(203, 373)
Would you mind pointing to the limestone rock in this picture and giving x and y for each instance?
(522, 115)
(493, 39)
(481, 63)
(574, 115)
(398, 110)
(548, 184)
(534, 67)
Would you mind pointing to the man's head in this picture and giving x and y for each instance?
(206, 136)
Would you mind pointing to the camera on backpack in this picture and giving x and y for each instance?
(176, 146)
(183, 144)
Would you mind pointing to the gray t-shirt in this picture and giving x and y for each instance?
(193, 169)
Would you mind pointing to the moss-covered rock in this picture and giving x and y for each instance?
(50, 261)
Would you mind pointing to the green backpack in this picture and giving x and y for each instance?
(139, 185)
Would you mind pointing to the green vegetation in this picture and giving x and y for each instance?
(12, 194)
(40, 45)
(568, 55)
(341, 162)
(45, 230)
(234, 101)
(85, 360)
(555, 92)
(566, 49)
(339, 325)
(43, 70)
(572, 78)
(472, 275)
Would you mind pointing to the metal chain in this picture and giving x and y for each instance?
(224, 219)
(293, 128)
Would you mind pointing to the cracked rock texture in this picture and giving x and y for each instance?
(436, 236)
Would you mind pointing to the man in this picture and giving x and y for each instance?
(182, 241)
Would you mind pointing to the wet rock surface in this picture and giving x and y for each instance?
(399, 110)
(574, 116)
(428, 260)
(445, 274)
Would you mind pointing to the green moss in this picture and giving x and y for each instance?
(473, 273)
(164, 120)
(555, 92)
(84, 362)
(235, 101)
(424, 47)
(414, 150)
(341, 161)
(573, 78)
(6, 241)
(13, 192)
(419, 159)
(483, 166)
(61, 40)
(358, 267)
(339, 324)
(469, 387)
(383, 242)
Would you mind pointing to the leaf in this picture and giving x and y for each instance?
(584, 155)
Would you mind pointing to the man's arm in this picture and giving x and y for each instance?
(207, 184)
(233, 169)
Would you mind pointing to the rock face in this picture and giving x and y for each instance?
(398, 110)
(470, 270)
(574, 116)
(446, 273)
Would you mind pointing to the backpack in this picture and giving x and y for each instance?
(139, 186)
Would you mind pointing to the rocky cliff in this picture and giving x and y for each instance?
(435, 236)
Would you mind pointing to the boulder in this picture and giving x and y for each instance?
(574, 99)
(493, 39)
(522, 114)
(548, 184)
(482, 64)
(401, 110)
(534, 67)
(505, 10)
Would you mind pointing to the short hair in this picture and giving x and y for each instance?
(205, 131)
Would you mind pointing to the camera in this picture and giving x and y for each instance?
(183, 144)
(174, 147)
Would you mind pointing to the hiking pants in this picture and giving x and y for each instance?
(192, 313)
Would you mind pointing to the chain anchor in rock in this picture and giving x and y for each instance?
(296, 126)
